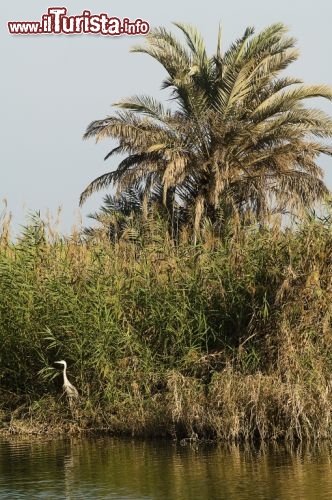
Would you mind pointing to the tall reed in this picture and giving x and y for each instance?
(227, 339)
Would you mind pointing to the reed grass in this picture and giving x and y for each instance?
(227, 339)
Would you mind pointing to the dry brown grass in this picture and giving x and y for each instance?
(230, 340)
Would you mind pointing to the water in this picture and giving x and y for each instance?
(106, 468)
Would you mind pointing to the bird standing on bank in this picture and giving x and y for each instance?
(69, 389)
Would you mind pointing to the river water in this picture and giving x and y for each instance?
(107, 468)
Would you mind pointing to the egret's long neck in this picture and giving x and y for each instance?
(65, 374)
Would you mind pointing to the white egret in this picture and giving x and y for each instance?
(70, 390)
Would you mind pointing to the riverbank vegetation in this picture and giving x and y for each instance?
(227, 339)
(200, 306)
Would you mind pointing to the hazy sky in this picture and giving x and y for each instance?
(53, 86)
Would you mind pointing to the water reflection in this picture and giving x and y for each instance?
(122, 469)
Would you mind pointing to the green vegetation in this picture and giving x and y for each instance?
(228, 339)
(239, 140)
(192, 310)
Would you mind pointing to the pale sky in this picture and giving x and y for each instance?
(53, 86)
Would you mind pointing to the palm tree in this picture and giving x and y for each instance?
(117, 213)
(239, 138)
(133, 216)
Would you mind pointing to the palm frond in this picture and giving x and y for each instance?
(194, 41)
(103, 181)
(286, 100)
(145, 105)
